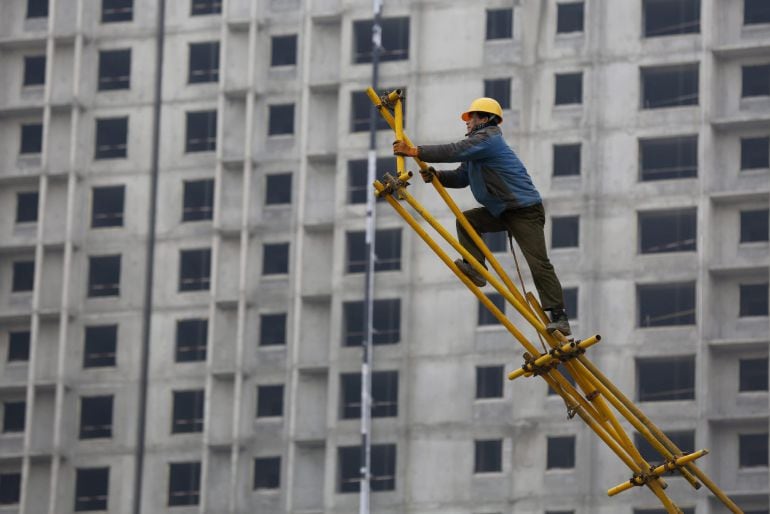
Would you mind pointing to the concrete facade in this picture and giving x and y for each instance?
(440, 344)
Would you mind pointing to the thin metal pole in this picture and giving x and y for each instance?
(149, 263)
(366, 364)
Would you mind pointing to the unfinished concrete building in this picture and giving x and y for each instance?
(182, 190)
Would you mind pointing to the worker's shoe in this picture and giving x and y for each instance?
(476, 277)
(559, 321)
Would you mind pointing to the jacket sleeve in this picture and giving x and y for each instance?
(457, 178)
(470, 148)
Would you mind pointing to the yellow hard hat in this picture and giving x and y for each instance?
(488, 105)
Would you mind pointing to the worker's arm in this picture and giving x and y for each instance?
(473, 147)
(456, 178)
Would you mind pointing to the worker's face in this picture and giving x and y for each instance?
(474, 120)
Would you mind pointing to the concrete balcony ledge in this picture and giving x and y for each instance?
(741, 121)
(742, 50)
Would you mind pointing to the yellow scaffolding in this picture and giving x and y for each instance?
(597, 393)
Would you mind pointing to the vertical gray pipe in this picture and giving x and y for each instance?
(149, 264)
(366, 364)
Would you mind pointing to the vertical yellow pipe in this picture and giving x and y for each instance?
(400, 164)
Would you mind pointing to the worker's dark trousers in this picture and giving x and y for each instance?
(526, 226)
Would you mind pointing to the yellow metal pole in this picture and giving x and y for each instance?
(399, 110)
(657, 472)
(691, 467)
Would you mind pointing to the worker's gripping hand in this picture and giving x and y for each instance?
(427, 174)
(401, 148)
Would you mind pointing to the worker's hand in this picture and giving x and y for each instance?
(427, 174)
(401, 148)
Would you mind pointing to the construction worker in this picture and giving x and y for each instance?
(500, 182)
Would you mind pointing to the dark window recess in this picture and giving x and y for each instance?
(96, 417)
(485, 317)
(272, 329)
(499, 24)
(267, 473)
(104, 276)
(195, 270)
(667, 379)
(683, 439)
(360, 108)
(111, 138)
(269, 401)
(278, 189)
(496, 241)
(752, 449)
(108, 206)
(755, 153)
(500, 90)
(204, 62)
(114, 70)
(565, 232)
(201, 131)
(395, 40)
(275, 259)
(669, 86)
(26, 207)
(14, 415)
(488, 456)
(663, 305)
(756, 11)
(37, 8)
(184, 483)
(23, 276)
(561, 452)
(753, 300)
(202, 7)
(386, 321)
(753, 374)
(756, 80)
(489, 382)
(670, 17)
(569, 17)
(100, 346)
(566, 160)
(384, 394)
(117, 10)
(283, 50)
(668, 231)
(191, 340)
(358, 184)
(34, 70)
(10, 488)
(198, 200)
(91, 489)
(755, 226)
(569, 88)
(18, 346)
(387, 246)
(383, 468)
(571, 301)
(188, 411)
(669, 158)
(31, 139)
(280, 120)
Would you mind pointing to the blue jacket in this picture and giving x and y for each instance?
(498, 179)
